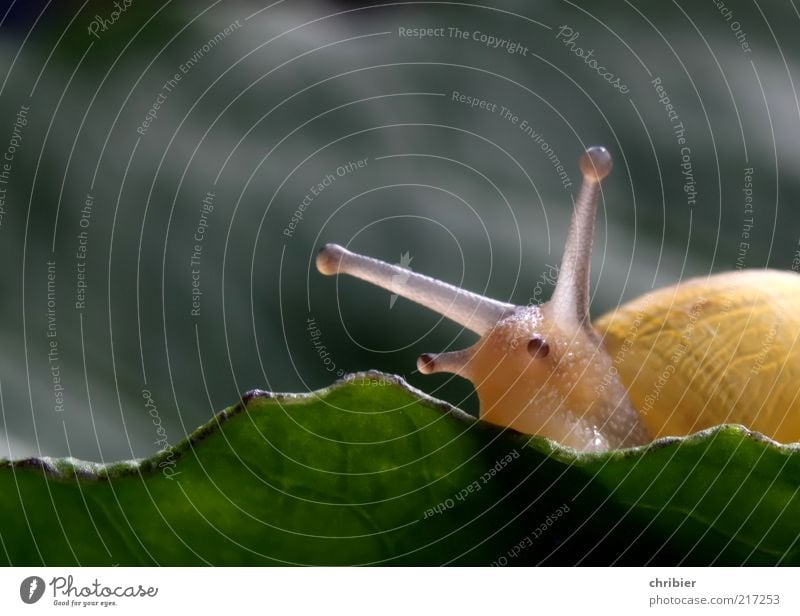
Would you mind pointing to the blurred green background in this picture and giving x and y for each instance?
(293, 91)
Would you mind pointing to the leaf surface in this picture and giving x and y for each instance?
(371, 471)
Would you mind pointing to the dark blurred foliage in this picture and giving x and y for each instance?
(295, 92)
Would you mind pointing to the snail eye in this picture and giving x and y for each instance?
(538, 348)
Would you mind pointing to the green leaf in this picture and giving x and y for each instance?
(370, 471)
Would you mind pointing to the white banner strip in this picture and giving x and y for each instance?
(400, 591)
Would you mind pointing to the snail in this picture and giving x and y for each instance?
(706, 351)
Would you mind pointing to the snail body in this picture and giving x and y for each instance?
(706, 351)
